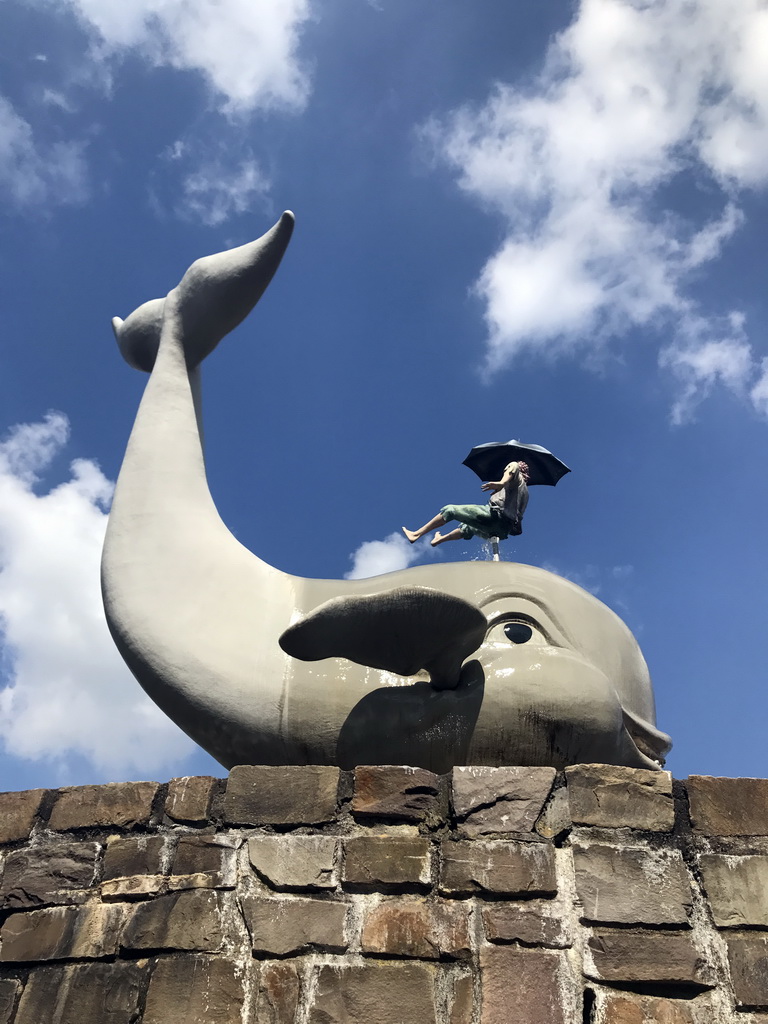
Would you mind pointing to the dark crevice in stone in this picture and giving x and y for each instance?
(661, 989)
(588, 1006)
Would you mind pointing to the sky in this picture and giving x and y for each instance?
(541, 221)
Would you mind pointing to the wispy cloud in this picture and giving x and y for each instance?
(64, 690)
(375, 557)
(632, 97)
(216, 184)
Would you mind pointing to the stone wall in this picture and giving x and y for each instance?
(305, 895)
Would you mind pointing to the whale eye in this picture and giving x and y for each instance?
(518, 632)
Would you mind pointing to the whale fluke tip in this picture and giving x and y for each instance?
(117, 323)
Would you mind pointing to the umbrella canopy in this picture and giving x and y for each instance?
(489, 460)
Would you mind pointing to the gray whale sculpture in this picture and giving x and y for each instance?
(414, 667)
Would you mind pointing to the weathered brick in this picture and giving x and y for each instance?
(748, 960)
(522, 985)
(189, 799)
(612, 796)
(646, 956)
(386, 862)
(83, 994)
(18, 812)
(63, 933)
(462, 1000)
(183, 920)
(627, 885)
(499, 800)
(203, 862)
(500, 866)
(728, 807)
(737, 888)
(413, 927)
(534, 924)
(384, 992)
(289, 925)
(395, 792)
(621, 1008)
(195, 990)
(115, 805)
(9, 996)
(52, 874)
(133, 866)
(285, 795)
(279, 989)
(295, 862)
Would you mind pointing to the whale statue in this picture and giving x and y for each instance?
(481, 663)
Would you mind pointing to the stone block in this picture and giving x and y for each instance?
(62, 933)
(183, 920)
(289, 925)
(52, 874)
(115, 805)
(295, 862)
(623, 1008)
(9, 996)
(522, 985)
(646, 956)
(737, 888)
(189, 799)
(728, 807)
(203, 862)
(284, 795)
(18, 812)
(279, 990)
(395, 792)
(555, 819)
(83, 994)
(627, 885)
(748, 960)
(386, 993)
(537, 923)
(414, 928)
(499, 800)
(502, 867)
(462, 1000)
(133, 866)
(195, 990)
(387, 862)
(611, 796)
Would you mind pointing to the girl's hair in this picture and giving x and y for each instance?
(525, 470)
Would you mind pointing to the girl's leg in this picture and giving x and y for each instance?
(440, 538)
(413, 535)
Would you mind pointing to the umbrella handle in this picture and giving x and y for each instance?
(495, 549)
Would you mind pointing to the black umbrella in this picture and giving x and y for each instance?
(489, 460)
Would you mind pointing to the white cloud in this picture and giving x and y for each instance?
(247, 50)
(36, 173)
(759, 393)
(633, 96)
(375, 557)
(219, 188)
(66, 691)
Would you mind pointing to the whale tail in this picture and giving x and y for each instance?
(214, 296)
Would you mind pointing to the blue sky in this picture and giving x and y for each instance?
(513, 220)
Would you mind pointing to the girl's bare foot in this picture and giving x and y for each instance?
(410, 535)
(437, 539)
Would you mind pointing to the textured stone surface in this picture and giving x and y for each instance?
(462, 1000)
(615, 797)
(61, 933)
(279, 989)
(189, 798)
(384, 993)
(395, 792)
(737, 888)
(390, 861)
(522, 985)
(535, 924)
(203, 862)
(133, 866)
(18, 812)
(555, 819)
(50, 874)
(9, 995)
(116, 805)
(646, 956)
(620, 1008)
(195, 990)
(292, 795)
(492, 800)
(413, 927)
(184, 920)
(748, 961)
(728, 807)
(501, 866)
(632, 886)
(279, 926)
(295, 862)
(83, 994)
